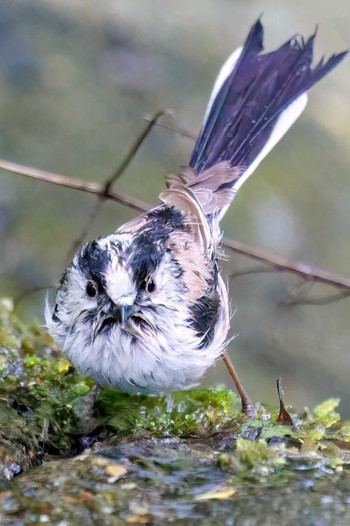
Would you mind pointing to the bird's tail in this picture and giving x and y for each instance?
(255, 99)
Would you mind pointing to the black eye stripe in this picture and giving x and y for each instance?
(93, 260)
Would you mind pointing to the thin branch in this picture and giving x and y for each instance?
(175, 129)
(298, 293)
(135, 147)
(332, 298)
(86, 227)
(307, 272)
(254, 270)
(76, 184)
(111, 180)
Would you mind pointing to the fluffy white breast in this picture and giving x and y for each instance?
(166, 358)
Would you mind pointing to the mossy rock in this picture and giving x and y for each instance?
(43, 414)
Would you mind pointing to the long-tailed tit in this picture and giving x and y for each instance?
(145, 309)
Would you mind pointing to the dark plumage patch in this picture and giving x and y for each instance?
(145, 256)
(148, 248)
(93, 260)
(132, 382)
(165, 216)
(107, 325)
(55, 318)
(204, 317)
(90, 315)
(64, 280)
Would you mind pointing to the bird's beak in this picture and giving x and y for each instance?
(115, 315)
(121, 313)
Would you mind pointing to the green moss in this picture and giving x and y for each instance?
(196, 412)
(44, 410)
(254, 454)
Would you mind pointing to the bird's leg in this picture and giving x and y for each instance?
(247, 406)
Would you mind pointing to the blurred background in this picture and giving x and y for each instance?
(76, 81)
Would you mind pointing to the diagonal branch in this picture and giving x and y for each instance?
(254, 270)
(300, 291)
(86, 227)
(279, 263)
(331, 298)
(151, 122)
(117, 173)
(175, 129)
(75, 183)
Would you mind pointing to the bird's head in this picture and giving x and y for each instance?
(120, 283)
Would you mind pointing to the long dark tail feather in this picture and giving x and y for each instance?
(250, 101)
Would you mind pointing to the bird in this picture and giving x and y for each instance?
(145, 309)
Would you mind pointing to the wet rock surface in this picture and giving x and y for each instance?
(172, 481)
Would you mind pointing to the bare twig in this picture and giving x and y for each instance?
(307, 272)
(111, 180)
(151, 122)
(75, 183)
(298, 293)
(279, 263)
(254, 270)
(332, 298)
(86, 227)
(175, 129)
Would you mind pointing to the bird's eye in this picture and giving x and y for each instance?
(91, 289)
(148, 285)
